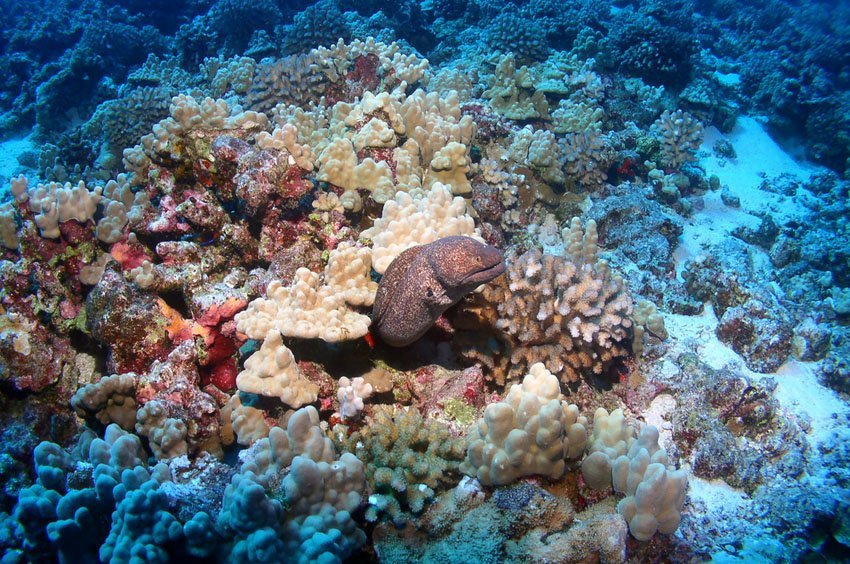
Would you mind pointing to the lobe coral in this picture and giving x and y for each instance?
(424, 281)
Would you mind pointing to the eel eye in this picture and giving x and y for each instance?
(430, 293)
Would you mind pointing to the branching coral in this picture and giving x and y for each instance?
(680, 135)
(408, 460)
(571, 313)
(586, 159)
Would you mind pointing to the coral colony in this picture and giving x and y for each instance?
(439, 281)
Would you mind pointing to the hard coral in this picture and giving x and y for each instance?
(571, 313)
(408, 460)
(532, 431)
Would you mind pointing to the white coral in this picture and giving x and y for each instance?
(532, 431)
(412, 219)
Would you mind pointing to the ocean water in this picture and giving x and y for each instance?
(430, 281)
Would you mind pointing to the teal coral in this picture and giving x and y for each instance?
(408, 460)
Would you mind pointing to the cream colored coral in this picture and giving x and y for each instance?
(351, 201)
(18, 187)
(273, 372)
(328, 202)
(453, 79)
(143, 275)
(610, 439)
(357, 144)
(655, 492)
(646, 319)
(351, 394)
(285, 138)
(312, 309)
(407, 68)
(433, 122)
(56, 203)
(339, 165)
(188, 114)
(449, 167)
(572, 117)
(246, 422)
(513, 95)
(8, 227)
(348, 274)
(166, 435)
(413, 219)
(358, 116)
(376, 133)
(538, 149)
(581, 245)
(229, 74)
(111, 400)
(303, 436)
(110, 227)
(532, 431)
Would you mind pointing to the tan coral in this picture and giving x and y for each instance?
(532, 431)
(569, 312)
(513, 95)
(410, 220)
(273, 372)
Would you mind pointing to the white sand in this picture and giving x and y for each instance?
(758, 158)
(9, 152)
(798, 391)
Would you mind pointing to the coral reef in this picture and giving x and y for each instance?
(531, 432)
(569, 312)
(409, 460)
(335, 281)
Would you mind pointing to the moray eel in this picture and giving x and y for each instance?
(424, 281)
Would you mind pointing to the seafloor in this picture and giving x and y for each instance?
(438, 281)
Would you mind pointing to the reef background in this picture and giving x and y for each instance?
(199, 200)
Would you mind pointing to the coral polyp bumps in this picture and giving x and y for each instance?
(214, 298)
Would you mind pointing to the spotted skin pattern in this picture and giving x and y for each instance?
(424, 281)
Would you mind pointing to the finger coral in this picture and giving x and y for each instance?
(532, 431)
